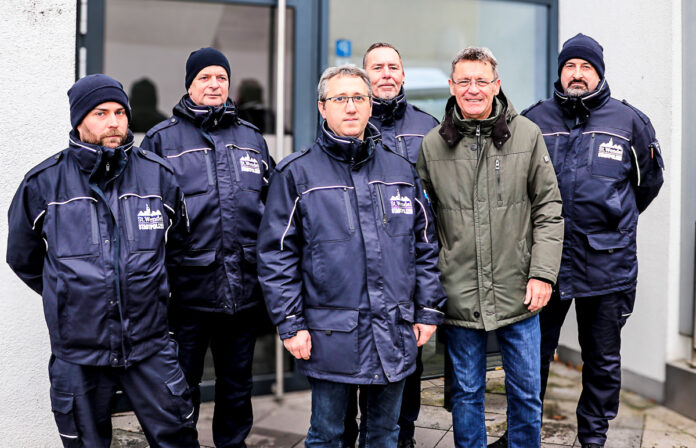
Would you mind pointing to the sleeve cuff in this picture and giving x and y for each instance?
(290, 326)
(429, 316)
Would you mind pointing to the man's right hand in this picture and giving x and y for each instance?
(300, 345)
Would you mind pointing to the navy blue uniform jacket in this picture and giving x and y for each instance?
(348, 251)
(401, 125)
(222, 165)
(95, 250)
(609, 168)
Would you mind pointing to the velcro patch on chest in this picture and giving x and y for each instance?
(401, 204)
(249, 164)
(150, 220)
(608, 150)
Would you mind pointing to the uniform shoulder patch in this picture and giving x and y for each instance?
(249, 125)
(149, 155)
(47, 163)
(291, 158)
(162, 125)
(642, 116)
(524, 112)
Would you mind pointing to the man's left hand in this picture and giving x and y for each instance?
(538, 294)
(423, 332)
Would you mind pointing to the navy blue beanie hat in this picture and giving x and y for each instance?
(200, 59)
(91, 91)
(582, 47)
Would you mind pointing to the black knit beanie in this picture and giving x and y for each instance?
(91, 91)
(582, 47)
(200, 59)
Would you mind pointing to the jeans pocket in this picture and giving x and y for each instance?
(62, 404)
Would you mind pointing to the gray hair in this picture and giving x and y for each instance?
(481, 54)
(342, 70)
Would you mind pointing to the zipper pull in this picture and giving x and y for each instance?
(108, 167)
(497, 164)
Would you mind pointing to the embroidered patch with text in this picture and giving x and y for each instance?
(249, 164)
(401, 204)
(150, 220)
(609, 150)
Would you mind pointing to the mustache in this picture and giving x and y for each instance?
(582, 81)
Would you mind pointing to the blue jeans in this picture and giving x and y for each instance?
(519, 346)
(378, 426)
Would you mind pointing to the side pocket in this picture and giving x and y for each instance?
(334, 334)
(181, 397)
(62, 405)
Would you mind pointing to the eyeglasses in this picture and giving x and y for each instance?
(480, 83)
(357, 99)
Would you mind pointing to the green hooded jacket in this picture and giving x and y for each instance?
(498, 211)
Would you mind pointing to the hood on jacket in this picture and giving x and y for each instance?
(207, 117)
(348, 149)
(394, 109)
(576, 110)
(103, 163)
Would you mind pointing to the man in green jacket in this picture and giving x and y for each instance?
(494, 191)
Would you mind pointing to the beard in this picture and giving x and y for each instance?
(88, 137)
(577, 90)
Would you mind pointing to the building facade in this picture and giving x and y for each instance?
(45, 44)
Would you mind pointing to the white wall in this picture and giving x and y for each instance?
(642, 53)
(37, 60)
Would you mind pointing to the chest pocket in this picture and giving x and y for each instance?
(609, 155)
(145, 220)
(556, 144)
(194, 170)
(330, 212)
(249, 167)
(72, 227)
(396, 203)
(408, 146)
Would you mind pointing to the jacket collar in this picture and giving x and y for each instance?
(393, 109)
(207, 117)
(452, 134)
(578, 109)
(348, 149)
(89, 157)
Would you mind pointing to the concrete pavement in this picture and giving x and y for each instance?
(639, 424)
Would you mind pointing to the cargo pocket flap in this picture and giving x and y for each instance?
(608, 240)
(61, 402)
(199, 259)
(407, 311)
(330, 319)
(177, 385)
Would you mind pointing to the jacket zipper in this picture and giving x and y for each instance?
(234, 161)
(500, 189)
(349, 212)
(95, 223)
(591, 155)
(478, 141)
(129, 216)
(381, 204)
(399, 146)
(208, 167)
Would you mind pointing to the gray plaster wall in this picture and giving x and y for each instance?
(37, 56)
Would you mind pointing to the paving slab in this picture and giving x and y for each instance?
(434, 418)
(623, 437)
(640, 423)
